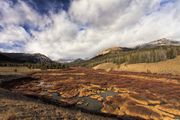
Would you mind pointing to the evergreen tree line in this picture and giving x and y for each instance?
(136, 56)
(42, 66)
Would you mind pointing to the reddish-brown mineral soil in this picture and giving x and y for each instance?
(142, 95)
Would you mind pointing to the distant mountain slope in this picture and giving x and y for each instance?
(160, 42)
(23, 58)
(155, 51)
(65, 60)
(114, 49)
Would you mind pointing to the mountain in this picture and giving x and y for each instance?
(152, 44)
(23, 58)
(65, 60)
(155, 51)
(79, 60)
(113, 49)
(160, 42)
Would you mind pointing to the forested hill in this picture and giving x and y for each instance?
(155, 51)
(24, 58)
(36, 60)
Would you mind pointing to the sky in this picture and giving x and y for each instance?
(81, 28)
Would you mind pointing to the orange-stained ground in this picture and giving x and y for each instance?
(142, 95)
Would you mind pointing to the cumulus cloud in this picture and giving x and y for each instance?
(88, 26)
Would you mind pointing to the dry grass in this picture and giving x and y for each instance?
(16, 70)
(144, 95)
(169, 66)
(17, 107)
(8, 115)
(106, 66)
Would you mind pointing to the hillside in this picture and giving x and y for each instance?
(32, 61)
(155, 51)
(23, 58)
(112, 50)
(171, 66)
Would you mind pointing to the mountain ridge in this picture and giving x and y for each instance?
(159, 42)
(113, 49)
(152, 44)
(36, 58)
(155, 51)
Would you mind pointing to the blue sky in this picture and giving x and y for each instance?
(82, 28)
(43, 6)
(164, 2)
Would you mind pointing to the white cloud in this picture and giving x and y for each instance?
(18, 14)
(89, 26)
(13, 33)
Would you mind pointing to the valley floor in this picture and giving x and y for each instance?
(18, 107)
(126, 95)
